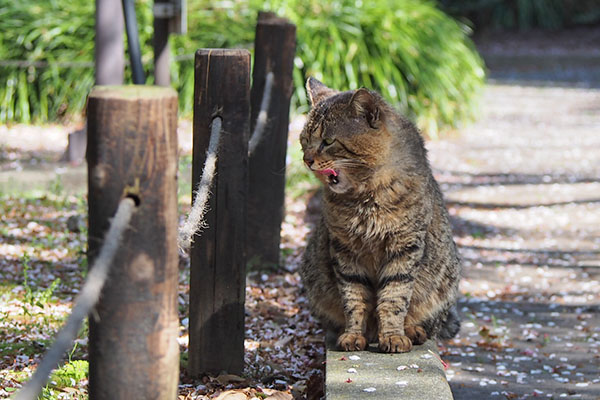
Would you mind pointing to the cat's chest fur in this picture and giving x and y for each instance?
(364, 226)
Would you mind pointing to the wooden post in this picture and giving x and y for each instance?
(109, 49)
(218, 262)
(160, 43)
(275, 47)
(132, 150)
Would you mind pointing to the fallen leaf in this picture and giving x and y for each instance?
(232, 395)
(277, 395)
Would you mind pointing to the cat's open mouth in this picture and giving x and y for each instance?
(331, 175)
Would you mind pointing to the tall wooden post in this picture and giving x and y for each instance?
(109, 49)
(160, 42)
(132, 150)
(218, 262)
(275, 47)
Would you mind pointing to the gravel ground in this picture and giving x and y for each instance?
(523, 190)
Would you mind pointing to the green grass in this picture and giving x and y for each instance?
(63, 383)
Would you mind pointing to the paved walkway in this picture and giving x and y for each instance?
(523, 189)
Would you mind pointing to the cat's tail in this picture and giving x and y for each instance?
(451, 326)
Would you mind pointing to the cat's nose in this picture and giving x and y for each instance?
(309, 161)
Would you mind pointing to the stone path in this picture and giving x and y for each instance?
(418, 374)
(523, 189)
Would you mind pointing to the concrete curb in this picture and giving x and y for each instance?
(418, 374)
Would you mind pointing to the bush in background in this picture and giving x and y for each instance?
(416, 56)
(412, 53)
(47, 34)
(47, 57)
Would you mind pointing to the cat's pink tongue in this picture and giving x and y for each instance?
(327, 171)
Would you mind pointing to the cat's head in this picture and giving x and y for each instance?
(345, 138)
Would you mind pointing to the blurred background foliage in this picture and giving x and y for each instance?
(524, 14)
(46, 34)
(419, 58)
(412, 52)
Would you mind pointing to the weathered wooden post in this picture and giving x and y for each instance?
(109, 49)
(132, 151)
(275, 47)
(218, 262)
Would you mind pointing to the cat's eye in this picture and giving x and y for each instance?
(328, 141)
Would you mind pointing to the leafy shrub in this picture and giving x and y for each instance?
(46, 33)
(410, 51)
(55, 39)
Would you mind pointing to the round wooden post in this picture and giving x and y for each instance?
(218, 262)
(275, 47)
(132, 151)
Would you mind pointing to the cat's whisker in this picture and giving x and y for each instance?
(348, 163)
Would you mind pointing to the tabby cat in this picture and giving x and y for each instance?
(381, 264)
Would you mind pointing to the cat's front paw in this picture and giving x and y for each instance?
(394, 343)
(352, 341)
(416, 334)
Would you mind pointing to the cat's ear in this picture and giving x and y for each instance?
(317, 91)
(365, 104)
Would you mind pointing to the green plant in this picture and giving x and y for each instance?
(46, 53)
(409, 50)
(47, 34)
(33, 297)
(56, 186)
(69, 374)
(28, 298)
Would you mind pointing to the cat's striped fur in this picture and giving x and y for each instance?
(381, 264)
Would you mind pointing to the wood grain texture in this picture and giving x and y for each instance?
(275, 48)
(132, 142)
(218, 262)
